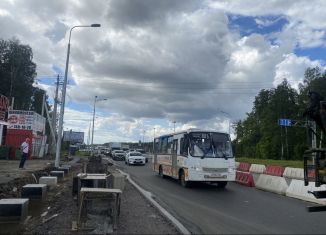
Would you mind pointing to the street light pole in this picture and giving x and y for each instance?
(64, 88)
(93, 125)
(174, 126)
(95, 100)
(153, 140)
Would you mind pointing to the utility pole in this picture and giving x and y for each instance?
(54, 114)
(43, 103)
(153, 140)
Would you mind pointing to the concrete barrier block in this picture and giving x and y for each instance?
(64, 169)
(293, 173)
(48, 180)
(13, 209)
(59, 174)
(257, 168)
(272, 183)
(299, 191)
(34, 191)
(94, 181)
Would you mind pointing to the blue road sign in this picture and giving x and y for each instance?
(284, 122)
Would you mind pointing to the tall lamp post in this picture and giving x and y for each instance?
(153, 140)
(95, 100)
(62, 108)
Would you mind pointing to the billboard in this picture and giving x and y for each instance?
(26, 120)
(20, 119)
(73, 136)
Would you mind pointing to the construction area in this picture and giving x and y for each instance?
(86, 195)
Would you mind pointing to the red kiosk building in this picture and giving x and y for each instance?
(26, 124)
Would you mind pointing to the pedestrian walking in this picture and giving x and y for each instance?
(24, 149)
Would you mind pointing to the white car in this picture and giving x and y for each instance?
(134, 158)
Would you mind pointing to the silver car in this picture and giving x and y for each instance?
(118, 155)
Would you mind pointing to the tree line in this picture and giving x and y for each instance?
(18, 74)
(259, 135)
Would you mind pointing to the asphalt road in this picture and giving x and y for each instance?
(205, 209)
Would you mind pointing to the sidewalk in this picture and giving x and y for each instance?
(137, 215)
(9, 169)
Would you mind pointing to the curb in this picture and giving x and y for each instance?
(148, 196)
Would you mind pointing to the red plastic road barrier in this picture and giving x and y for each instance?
(312, 174)
(244, 178)
(274, 170)
(244, 166)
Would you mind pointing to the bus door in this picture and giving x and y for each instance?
(174, 158)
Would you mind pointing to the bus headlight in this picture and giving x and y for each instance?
(232, 170)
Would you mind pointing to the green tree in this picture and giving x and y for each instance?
(17, 73)
(260, 136)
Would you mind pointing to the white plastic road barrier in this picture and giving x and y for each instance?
(256, 170)
(272, 183)
(293, 173)
(237, 165)
(299, 191)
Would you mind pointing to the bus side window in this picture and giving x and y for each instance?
(184, 146)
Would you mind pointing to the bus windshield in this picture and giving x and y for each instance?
(210, 145)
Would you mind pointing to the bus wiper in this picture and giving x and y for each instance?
(225, 156)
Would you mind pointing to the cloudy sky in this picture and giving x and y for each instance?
(195, 63)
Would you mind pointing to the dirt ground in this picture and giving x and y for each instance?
(56, 214)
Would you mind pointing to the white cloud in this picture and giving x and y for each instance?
(163, 60)
(292, 68)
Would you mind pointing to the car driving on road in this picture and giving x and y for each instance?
(118, 155)
(143, 153)
(134, 158)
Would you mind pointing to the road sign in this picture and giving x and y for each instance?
(284, 122)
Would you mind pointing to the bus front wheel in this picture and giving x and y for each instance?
(182, 179)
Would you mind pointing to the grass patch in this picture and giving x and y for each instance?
(285, 163)
(83, 153)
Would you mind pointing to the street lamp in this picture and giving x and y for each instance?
(144, 139)
(95, 100)
(153, 140)
(64, 88)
